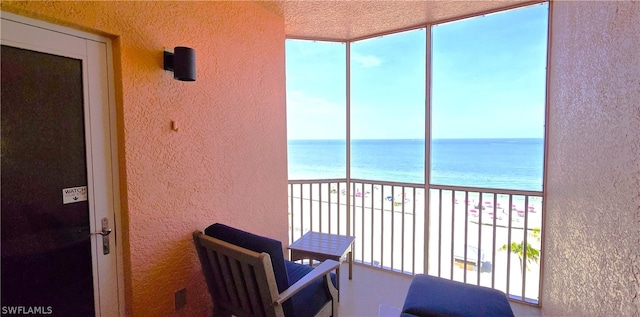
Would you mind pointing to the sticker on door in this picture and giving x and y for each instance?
(74, 194)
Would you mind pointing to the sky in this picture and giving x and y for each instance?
(488, 81)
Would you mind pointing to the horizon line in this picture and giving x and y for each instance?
(421, 139)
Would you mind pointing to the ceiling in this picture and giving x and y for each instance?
(353, 19)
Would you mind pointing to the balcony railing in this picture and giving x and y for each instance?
(471, 235)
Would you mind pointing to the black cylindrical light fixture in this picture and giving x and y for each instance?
(182, 62)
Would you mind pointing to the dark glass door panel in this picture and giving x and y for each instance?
(46, 246)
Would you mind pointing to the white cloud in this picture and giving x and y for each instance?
(301, 103)
(366, 60)
(311, 117)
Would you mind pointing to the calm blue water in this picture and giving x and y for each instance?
(491, 163)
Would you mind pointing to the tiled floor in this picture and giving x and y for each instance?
(370, 288)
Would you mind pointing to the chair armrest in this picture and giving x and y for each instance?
(321, 270)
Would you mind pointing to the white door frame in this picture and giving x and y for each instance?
(101, 138)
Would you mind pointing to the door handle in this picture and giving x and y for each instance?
(106, 231)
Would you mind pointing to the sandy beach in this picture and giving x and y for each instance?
(387, 219)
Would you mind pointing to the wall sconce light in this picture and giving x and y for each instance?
(182, 62)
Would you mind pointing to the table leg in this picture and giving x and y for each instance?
(350, 265)
(338, 281)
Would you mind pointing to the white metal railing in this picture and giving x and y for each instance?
(482, 236)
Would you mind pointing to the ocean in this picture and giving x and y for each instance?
(487, 163)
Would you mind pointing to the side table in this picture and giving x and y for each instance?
(321, 246)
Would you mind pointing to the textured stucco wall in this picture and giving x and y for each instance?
(227, 163)
(592, 257)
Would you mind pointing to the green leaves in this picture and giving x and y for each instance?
(530, 253)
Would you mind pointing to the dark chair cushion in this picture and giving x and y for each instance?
(310, 300)
(259, 244)
(433, 296)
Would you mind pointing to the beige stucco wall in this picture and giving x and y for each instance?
(592, 256)
(226, 163)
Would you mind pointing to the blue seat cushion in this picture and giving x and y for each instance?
(258, 244)
(309, 301)
(433, 296)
